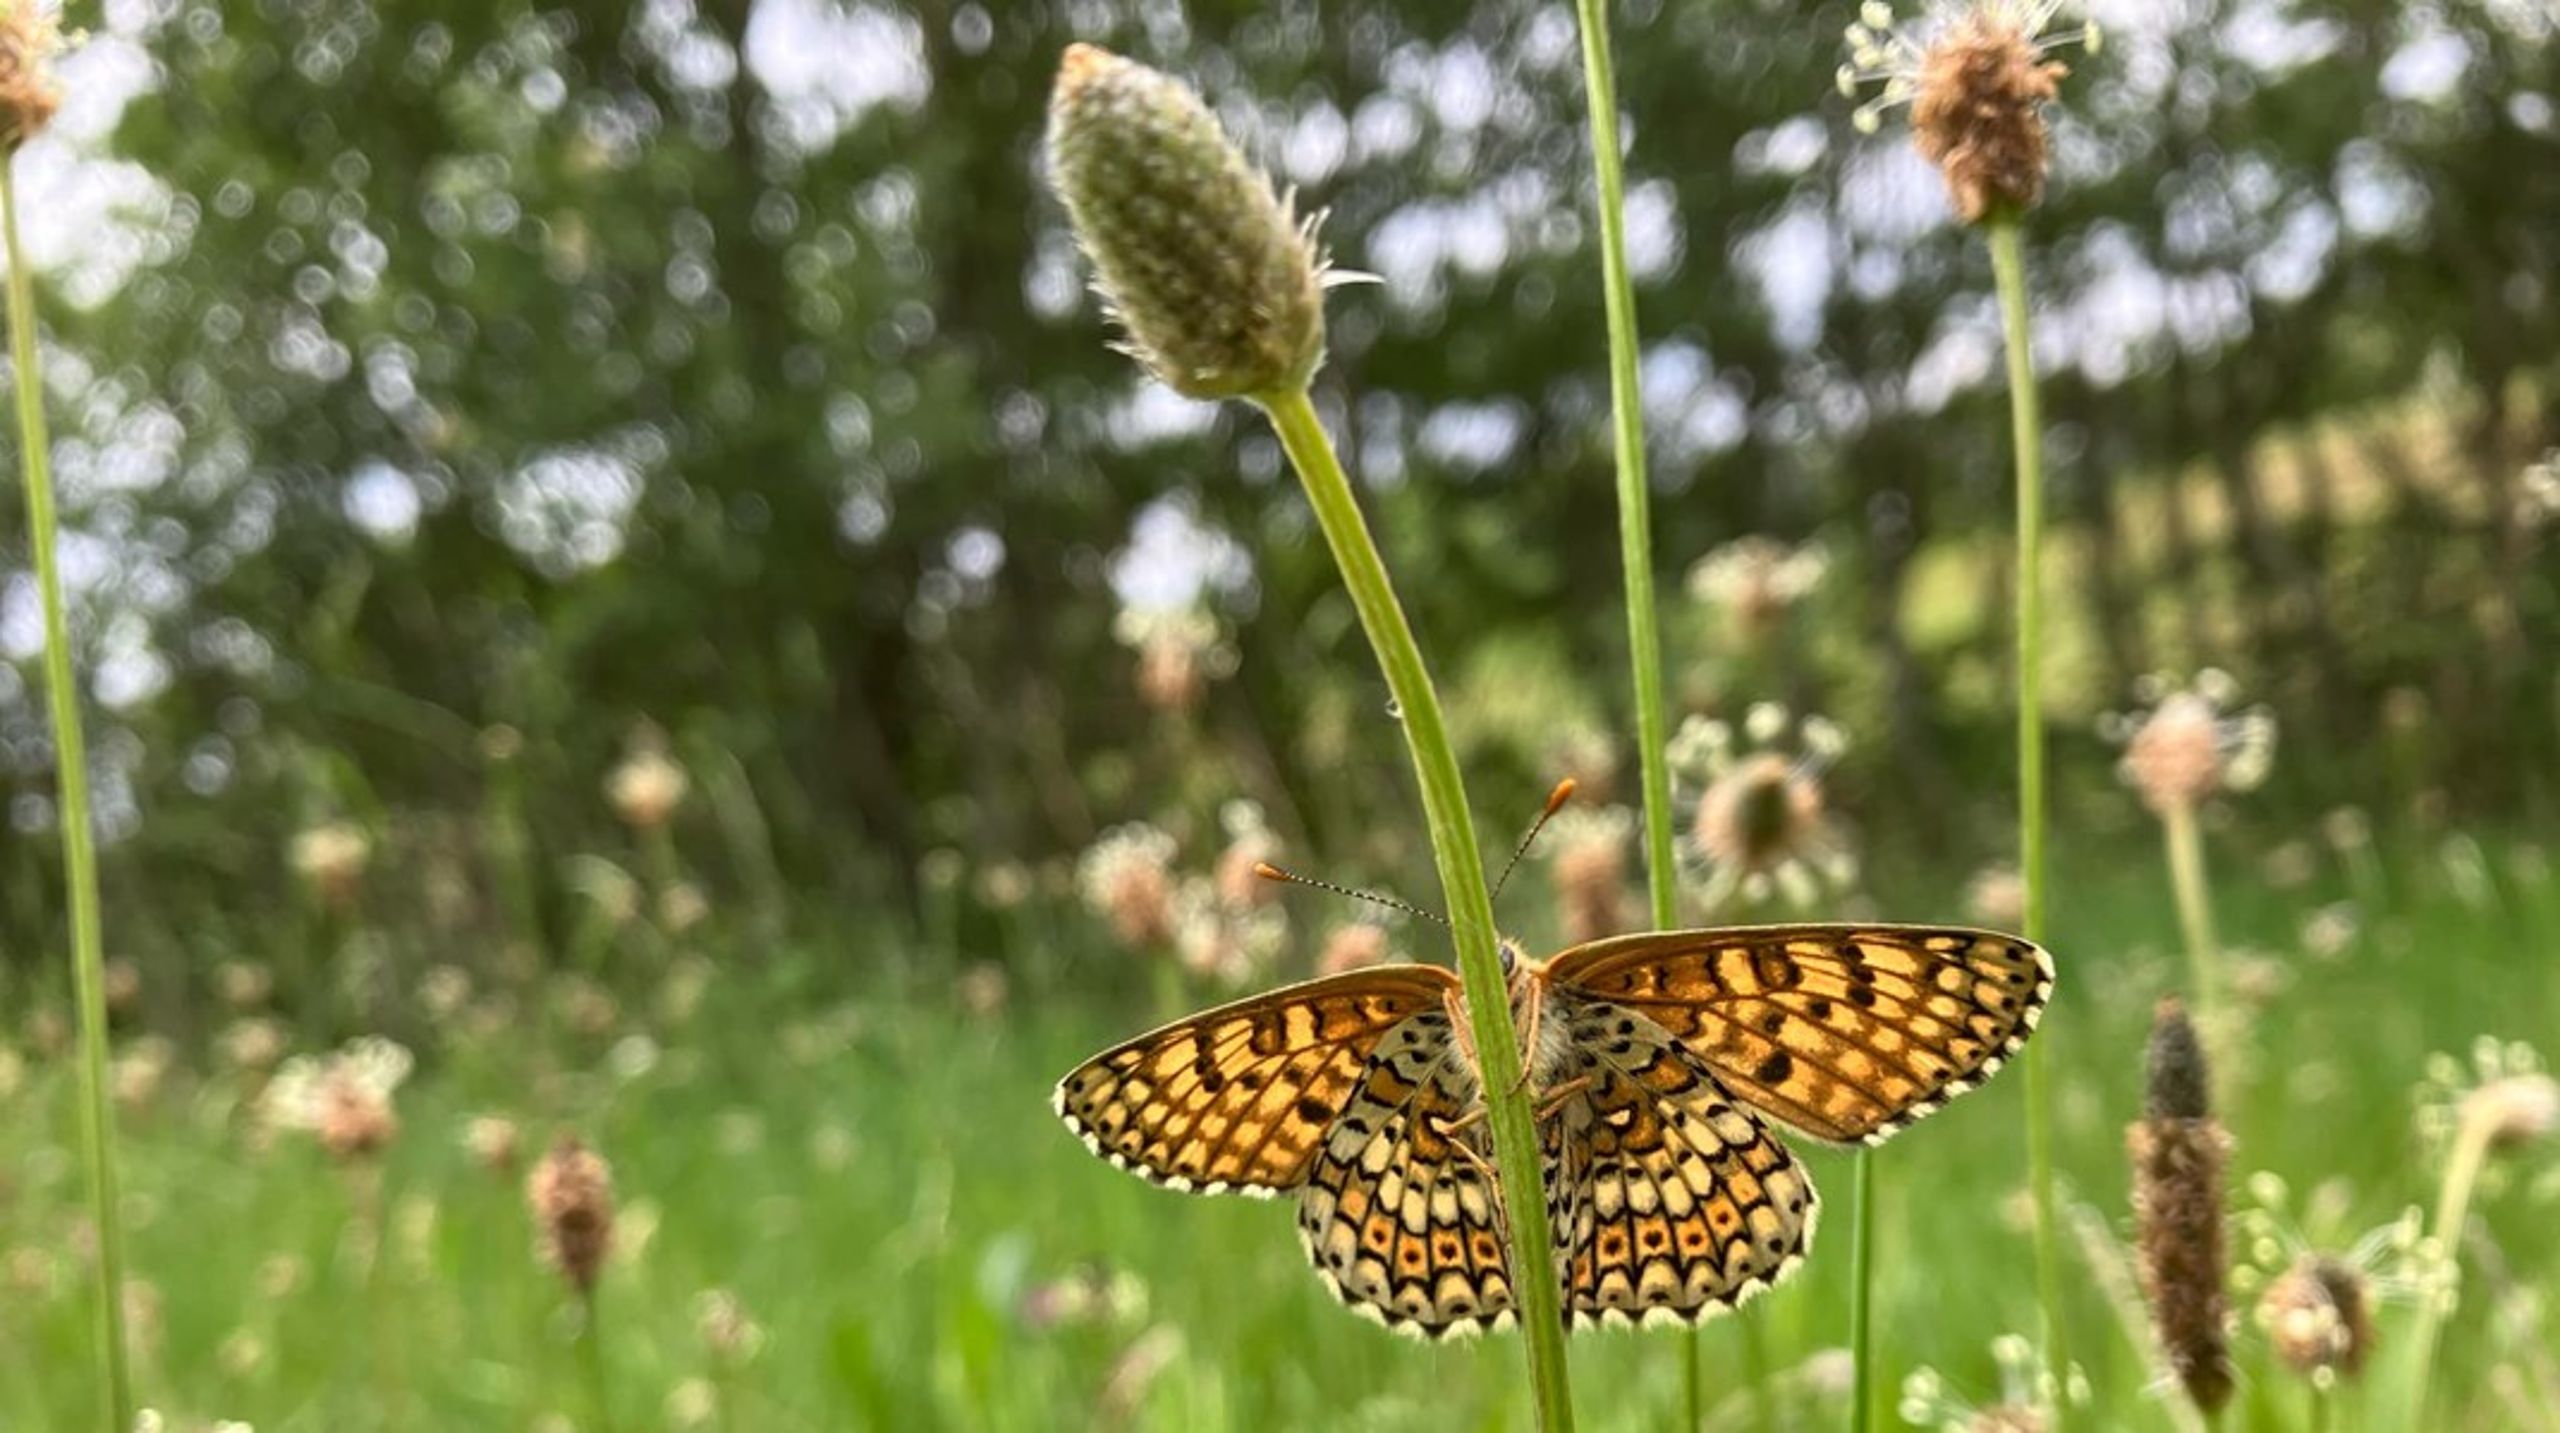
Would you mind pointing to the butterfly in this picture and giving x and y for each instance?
(1656, 1062)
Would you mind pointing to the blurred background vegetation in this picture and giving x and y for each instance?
(423, 372)
(469, 415)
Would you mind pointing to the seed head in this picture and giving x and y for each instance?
(1757, 581)
(1219, 288)
(1249, 844)
(493, 1142)
(647, 787)
(1589, 870)
(571, 1194)
(1760, 826)
(2186, 745)
(243, 984)
(1127, 878)
(1997, 897)
(2179, 1152)
(1977, 76)
(2318, 1316)
(2515, 1109)
(343, 1100)
(332, 859)
(1356, 945)
(30, 37)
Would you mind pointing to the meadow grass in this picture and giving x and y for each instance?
(875, 1174)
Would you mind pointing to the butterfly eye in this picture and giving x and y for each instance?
(1510, 958)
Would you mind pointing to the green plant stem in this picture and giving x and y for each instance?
(2318, 1421)
(2453, 1211)
(1453, 846)
(2009, 268)
(79, 850)
(591, 1361)
(1635, 518)
(2195, 918)
(1862, 1237)
(1755, 1368)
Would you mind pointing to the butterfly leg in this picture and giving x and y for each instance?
(1560, 1096)
(1529, 1040)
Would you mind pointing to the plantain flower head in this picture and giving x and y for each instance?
(1218, 286)
(1977, 76)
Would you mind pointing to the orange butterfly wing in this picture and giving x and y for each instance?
(1241, 1097)
(1846, 1032)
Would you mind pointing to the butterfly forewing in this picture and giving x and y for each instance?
(1673, 1202)
(1243, 1096)
(1844, 1032)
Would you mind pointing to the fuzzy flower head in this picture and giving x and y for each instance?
(1127, 879)
(1219, 943)
(1353, 945)
(648, 786)
(1250, 842)
(2538, 492)
(331, 859)
(2503, 1098)
(1977, 75)
(1180, 651)
(30, 37)
(2023, 1405)
(1219, 287)
(1586, 849)
(1757, 826)
(2316, 1287)
(2184, 744)
(343, 1100)
(570, 1193)
(1756, 581)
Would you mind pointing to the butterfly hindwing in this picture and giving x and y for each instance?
(1400, 1213)
(1241, 1097)
(1845, 1032)
(1679, 1203)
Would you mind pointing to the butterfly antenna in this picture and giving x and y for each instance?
(1555, 803)
(1270, 872)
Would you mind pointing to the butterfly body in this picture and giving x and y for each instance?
(1652, 1061)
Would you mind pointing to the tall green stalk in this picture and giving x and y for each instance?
(2195, 917)
(1453, 846)
(1635, 517)
(2009, 268)
(2453, 1211)
(79, 851)
(1862, 1239)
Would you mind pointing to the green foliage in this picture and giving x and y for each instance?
(759, 400)
(872, 1170)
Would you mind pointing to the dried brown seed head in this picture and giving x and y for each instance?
(2179, 1152)
(2319, 1318)
(571, 1195)
(29, 39)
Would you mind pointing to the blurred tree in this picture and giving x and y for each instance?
(726, 366)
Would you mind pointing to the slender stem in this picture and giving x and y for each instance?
(1862, 1237)
(2195, 917)
(1635, 519)
(2008, 265)
(1755, 1368)
(591, 1361)
(2318, 1422)
(79, 851)
(2453, 1211)
(1453, 846)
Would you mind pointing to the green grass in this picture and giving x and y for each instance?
(877, 1176)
